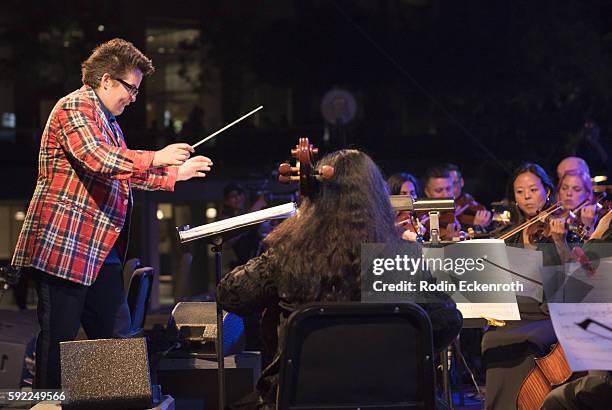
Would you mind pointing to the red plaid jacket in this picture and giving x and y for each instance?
(82, 194)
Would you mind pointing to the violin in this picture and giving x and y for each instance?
(466, 209)
(408, 221)
(549, 372)
(534, 219)
(576, 230)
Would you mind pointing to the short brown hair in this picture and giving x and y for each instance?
(115, 57)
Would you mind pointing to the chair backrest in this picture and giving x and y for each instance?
(357, 354)
(128, 270)
(138, 297)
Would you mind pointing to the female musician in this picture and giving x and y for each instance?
(315, 256)
(533, 191)
(508, 351)
(404, 183)
(575, 187)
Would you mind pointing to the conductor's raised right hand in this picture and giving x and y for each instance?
(173, 154)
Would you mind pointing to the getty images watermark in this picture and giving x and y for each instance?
(480, 272)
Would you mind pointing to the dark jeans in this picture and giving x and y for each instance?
(63, 306)
(593, 391)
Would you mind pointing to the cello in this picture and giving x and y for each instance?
(549, 372)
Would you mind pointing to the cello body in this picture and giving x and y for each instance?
(549, 372)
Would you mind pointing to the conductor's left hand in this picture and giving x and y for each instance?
(194, 167)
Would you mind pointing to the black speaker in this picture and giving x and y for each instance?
(12, 356)
(17, 336)
(196, 323)
(106, 373)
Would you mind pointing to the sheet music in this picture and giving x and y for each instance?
(600, 283)
(528, 263)
(500, 311)
(495, 251)
(585, 349)
(240, 221)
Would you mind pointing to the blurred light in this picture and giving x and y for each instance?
(66, 44)
(151, 39)
(167, 118)
(19, 216)
(161, 50)
(178, 126)
(211, 213)
(164, 211)
(326, 135)
(9, 120)
(599, 178)
(100, 27)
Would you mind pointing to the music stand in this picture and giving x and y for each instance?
(433, 206)
(216, 233)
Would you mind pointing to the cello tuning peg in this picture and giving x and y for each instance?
(284, 168)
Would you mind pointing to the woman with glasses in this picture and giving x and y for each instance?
(74, 236)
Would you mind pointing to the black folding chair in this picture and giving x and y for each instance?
(138, 297)
(357, 355)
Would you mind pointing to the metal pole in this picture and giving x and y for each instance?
(217, 245)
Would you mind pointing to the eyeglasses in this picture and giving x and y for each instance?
(131, 89)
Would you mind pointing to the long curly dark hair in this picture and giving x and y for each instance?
(319, 249)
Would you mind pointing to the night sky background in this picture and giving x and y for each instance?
(484, 84)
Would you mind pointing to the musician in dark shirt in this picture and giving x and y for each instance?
(316, 256)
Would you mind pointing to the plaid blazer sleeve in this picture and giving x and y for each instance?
(84, 140)
(155, 178)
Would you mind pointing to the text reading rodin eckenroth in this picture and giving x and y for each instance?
(446, 286)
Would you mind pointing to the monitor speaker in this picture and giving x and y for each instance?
(106, 374)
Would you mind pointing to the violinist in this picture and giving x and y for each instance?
(533, 191)
(469, 212)
(438, 183)
(403, 183)
(572, 164)
(315, 256)
(574, 189)
(508, 352)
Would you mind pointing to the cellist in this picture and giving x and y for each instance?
(508, 352)
(593, 391)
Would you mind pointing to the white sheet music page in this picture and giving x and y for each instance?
(252, 218)
(499, 311)
(585, 333)
(528, 263)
